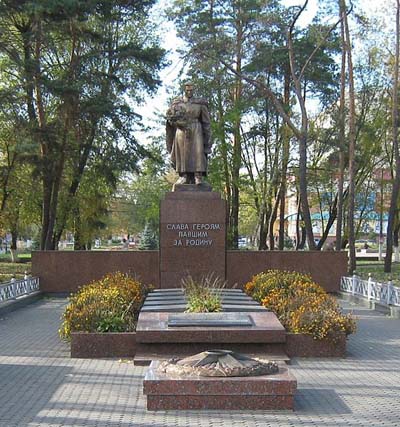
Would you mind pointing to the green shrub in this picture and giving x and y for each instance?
(110, 304)
(301, 305)
(203, 296)
(148, 240)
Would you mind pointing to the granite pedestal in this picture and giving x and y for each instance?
(169, 392)
(192, 236)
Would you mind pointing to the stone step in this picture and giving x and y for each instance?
(179, 290)
(180, 308)
(224, 301)
(168, 297)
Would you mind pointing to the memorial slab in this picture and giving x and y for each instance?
(192, 236)
(209, 320)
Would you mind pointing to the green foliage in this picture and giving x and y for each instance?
(19, 198)
(137, 200)
(148, 241)
(288, 242)
(301, 305)
(75, 105)
(111, 324)
(204, 304)
(110, 304)
(91, 207)
(203, 296)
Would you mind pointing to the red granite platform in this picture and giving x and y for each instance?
(165, 391)
(152, 327)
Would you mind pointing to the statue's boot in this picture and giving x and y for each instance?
(198, 178)
(182, 180)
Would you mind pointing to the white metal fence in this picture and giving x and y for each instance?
(385, 293)
(17, 288)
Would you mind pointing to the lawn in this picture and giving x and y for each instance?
(376, 270)
(8, 270)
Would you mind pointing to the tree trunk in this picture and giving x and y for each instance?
(271, 224)
(224, 152)
(396, 154)
(300, 231)
(237, 143)
(285, 162)
(339, 221)
(46, 185)
(396, 244)
(79, 242)
(13, 247)
(352, 142)
(305, 208)
(262, 244)
(303, 138)
(331, 221)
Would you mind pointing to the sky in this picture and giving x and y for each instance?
(156, 105)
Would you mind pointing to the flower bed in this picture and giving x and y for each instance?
(302, 345)
(111, 304)
(302, 306)
(97, 345)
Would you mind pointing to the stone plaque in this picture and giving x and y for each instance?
(192, 236)
(209, 320)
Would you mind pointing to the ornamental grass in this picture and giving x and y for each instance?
(301, 305)
(205, 295)
(110, 304)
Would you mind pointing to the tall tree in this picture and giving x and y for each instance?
(342, 132)
(351, 137)
(396, 154)
(74, 65)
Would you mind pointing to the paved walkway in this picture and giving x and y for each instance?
(41, 386)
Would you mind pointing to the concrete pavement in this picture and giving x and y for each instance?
(41, 386)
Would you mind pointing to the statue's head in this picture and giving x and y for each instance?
(188, 88)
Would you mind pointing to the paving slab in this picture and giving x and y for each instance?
(40, 385)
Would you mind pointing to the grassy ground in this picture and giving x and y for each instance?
(376, 270)
(22, 257)
(8, 270)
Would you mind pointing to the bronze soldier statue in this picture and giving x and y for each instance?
(189, 137)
